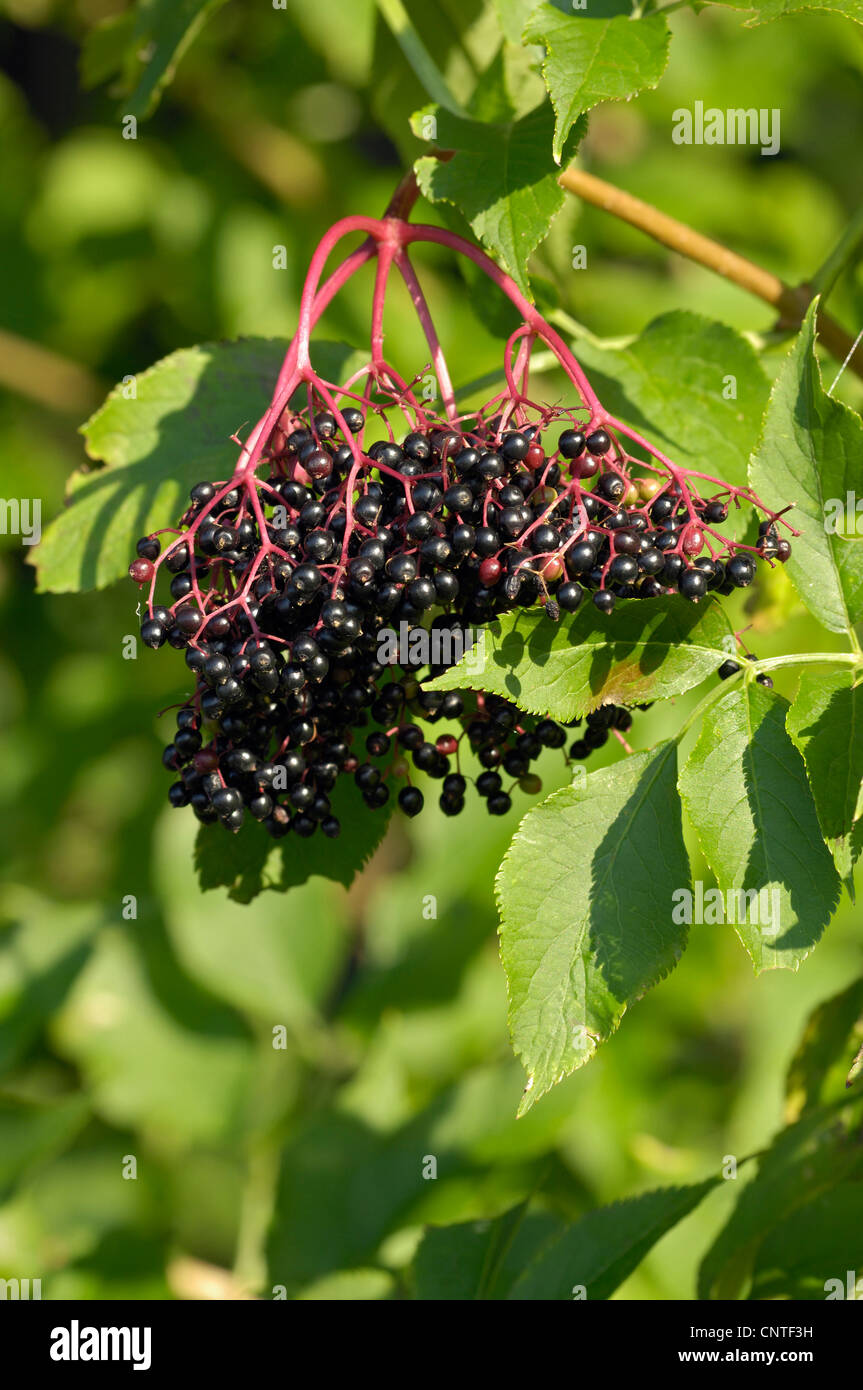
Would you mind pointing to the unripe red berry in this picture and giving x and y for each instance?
(141, 571)
(490, 571)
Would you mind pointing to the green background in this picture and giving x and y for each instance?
(152, 1038)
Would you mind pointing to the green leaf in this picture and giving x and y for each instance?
(479, 1259)
(45, 947)
(502, 178)
(31, 1133)
(810, 1253)
(601, 54)
(175, 430)
(817, 1155)
(598, 1252)
(159, 434)
(820, 1065)
(350, 1286)
(775, 9)
(585, 895)
(826, 723)
(648, 649)
(346, 1183)
(809, 454)
(745, 790)
(144, 46)
(672, 383)
(155, 1053)
(269, 963)
(249, 862)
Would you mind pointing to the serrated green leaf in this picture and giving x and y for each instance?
(826, 723)
(598, 54)
(480, 1259)
(820, 1065)
(605, 1246)
(812, 1157)
(767, 10)
(502, 178)
(745, 790)
(673, 384)
(809, 454)
(248, 862)
(648, 649)
(585, 895)
(144, 46)
(172, 432)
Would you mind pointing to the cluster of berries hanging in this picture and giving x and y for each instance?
(337, 531)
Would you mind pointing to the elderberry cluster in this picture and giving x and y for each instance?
(280, 590)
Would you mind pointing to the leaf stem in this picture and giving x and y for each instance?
(791, 303)
(749, 669)
(843, 255)
(425, 68)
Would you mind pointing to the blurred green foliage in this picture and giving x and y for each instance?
(151, 1037)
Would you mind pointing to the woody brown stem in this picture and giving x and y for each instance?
(791, 302)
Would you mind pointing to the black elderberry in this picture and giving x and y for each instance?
(569, 596)
(692, 584)
(740, 571)
(598, 443)
(571, 444)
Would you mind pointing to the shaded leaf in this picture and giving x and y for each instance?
(672, 383)
(479, 1259)
(820, 1064)
(745, 790)
(606, 1245)
(585, 895)
(248, 862)
(826, 723)
(810, 1253)
(173, 432)
(648, 649)
(809, 454)
(817, 1155)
